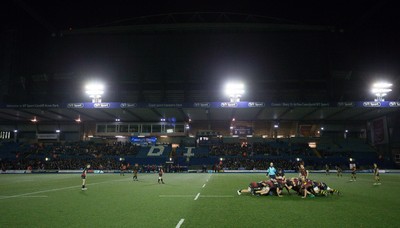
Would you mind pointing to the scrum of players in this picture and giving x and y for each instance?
(301, 185)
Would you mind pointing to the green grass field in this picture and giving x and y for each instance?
(56, 200)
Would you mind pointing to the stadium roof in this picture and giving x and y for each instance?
(205, 111)
(180, 52)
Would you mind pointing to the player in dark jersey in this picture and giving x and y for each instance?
(271, 187)
(321, 188)
(160, 175)
(326, 169)
(253, 187)
(83, 176)
(294, 184)
(135, 172)
(353, 169)
(339, 171)
(376, 175)
(281, 179)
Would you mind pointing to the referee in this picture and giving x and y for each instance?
(271, 171)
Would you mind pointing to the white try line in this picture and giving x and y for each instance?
(197, 196)
(179, 223)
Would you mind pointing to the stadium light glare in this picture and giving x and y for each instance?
(95, 90)
(234, 90)
(381, 89)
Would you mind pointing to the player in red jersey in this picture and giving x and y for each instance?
(302, 171)
(83, 176)
(160, 175)
(306, 187)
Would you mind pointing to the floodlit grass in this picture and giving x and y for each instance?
(56, 200)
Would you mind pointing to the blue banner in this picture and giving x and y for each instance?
(242, 104)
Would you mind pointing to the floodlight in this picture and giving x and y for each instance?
(58, 131)
(381, 89)
(15, 131)
(234, 90)
(95, 90)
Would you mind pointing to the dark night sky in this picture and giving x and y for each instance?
(351, 15)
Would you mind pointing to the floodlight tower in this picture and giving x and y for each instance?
(381, 89)
(95, 90)
(234, 91)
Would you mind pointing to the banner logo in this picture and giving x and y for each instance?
(228, 105)
(101, 105)
(75, 105)
(256, 104)
(372, 104)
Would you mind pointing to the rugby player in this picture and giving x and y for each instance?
(83, 176)
(376, 175)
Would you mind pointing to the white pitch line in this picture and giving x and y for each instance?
(35, 196)
(197, 196)
(38, 192)
(175, 196)
(179, 223)
(50, 190)
(216, 196)
(204, 185)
